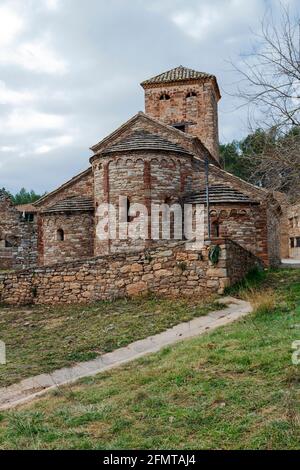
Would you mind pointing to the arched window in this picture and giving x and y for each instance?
(60, 235)
(215, 229)
(164, 97)
(191, 94)
(128, 216)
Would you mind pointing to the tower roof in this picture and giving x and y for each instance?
(176, 75)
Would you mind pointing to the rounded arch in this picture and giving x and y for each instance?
(223, 214)
(215, 229)
(164, 97)
(213, 213)
(191, 94)
(243, 212)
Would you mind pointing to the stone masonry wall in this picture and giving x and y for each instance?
(144, 177)
(18, 238)
(199, 112)
(81, 185)
(293, 215)
(169, 271)
(78, 240)
(239, 262)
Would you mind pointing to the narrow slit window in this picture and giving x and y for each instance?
(60, 235)
(215, 229)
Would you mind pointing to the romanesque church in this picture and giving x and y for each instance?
(155, 157)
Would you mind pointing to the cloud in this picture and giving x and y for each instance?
(54, 143)
(37, 56)
(7, 149)
(52, 4)
(21, 121)
(207, 20)
(9, 96)
(70, 72)
(11, 24)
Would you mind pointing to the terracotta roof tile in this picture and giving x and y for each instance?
(178, 74)
(26, 208)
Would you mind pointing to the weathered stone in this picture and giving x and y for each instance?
(137, 288)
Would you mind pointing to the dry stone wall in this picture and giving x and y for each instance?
(171, 271)
(18, 237)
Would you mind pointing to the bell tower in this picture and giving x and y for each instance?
(187, 100)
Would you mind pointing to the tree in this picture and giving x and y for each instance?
(271, 73)
(270, 85)
(25, 197)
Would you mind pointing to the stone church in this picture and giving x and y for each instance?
(155, 157)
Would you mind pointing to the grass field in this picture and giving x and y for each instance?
(44, 338)
(234, 388)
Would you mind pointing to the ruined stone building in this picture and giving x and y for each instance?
(157, 156)
(293, 215)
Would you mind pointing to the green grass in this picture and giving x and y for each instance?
(234, 388)
(44, 338)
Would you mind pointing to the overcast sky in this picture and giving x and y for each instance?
(70, 72)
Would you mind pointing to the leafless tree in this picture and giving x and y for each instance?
(271, 72)
(277, 167)
(270, 85)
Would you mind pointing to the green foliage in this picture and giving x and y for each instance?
(214, 254)
(252, 281)
(237, 157)
(267, 159)
(25, 197)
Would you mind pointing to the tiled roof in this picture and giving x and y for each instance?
(26, 208)
(219, 194)
(178, 74)
(72, 204)
(142, 140)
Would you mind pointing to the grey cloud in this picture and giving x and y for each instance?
(109, 48)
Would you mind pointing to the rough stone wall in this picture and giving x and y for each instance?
(200, 112)
(78, 240)
(293, 215)
(243, 224)
(144, 123)
(239, 262)
(171, 271)
(265, 217)
(83, 185)
(144, 178)
(18, 238)
(274, 232)
(284, 224)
